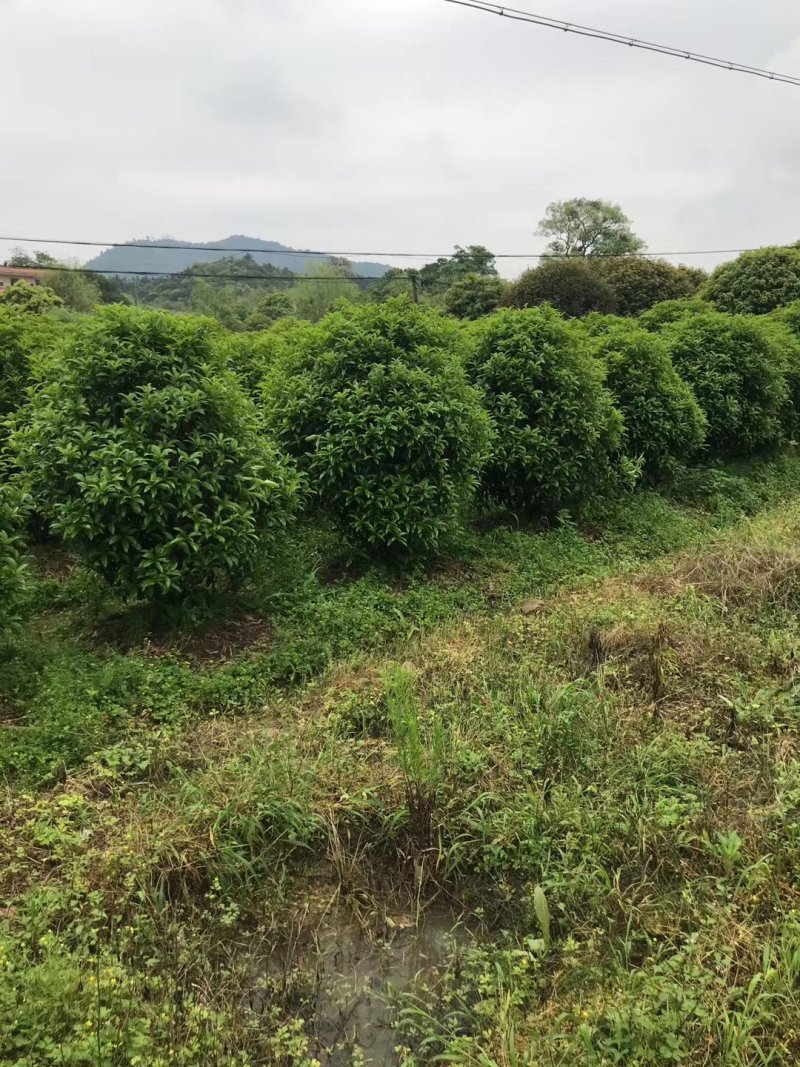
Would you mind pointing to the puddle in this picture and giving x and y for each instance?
(354, 970)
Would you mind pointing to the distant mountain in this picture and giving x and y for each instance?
(141, 255)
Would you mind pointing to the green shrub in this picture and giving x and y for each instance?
(13, 572)
(570, 285)
(756, 282)
(143, 453)
(639, 283)
(251, 356)
(786, 345)
(474, 296)
(376, 409)
(789, 315)
(663, 421)
(738, 376)
(269, 309)
(556, 428)
(35, 299)
(672, 311)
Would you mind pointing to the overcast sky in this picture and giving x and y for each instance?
(352, 125)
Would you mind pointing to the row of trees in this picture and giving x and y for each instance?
(169, 454)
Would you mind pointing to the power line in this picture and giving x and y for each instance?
(221, 248)
(290, 279)
(617, 38)
(353, 255)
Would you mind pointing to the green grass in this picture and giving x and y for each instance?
(606, 787)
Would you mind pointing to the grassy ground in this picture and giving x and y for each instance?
(582, 743)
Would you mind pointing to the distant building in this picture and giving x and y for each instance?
(9, 275)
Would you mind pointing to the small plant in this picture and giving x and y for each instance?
(376, 410)
(421, 757)
(146, 457)
(728, 848)
(557, 432)
(541, 910)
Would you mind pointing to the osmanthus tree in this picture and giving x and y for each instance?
(557, 434)
(375, 408)
(756, 282)
(738, 372)
(144, 454)
(664, 424)
(638, 282)
(568, 285)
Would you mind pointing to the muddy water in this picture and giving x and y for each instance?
(354, 969)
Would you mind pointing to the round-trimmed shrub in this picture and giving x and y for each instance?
(663, 421)
(756, 282)
(13, 572)
(35, 299)
(639, 283)
(570, 285)
(474, 295)
(377, 411)
(557, 432)
(738, 376)
(144, 454)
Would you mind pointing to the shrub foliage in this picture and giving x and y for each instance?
(663, 421)
(639, 283)
(25, 338)
(377, 411)
(671, 311)
(737, 372)
(12, 568)
(572, 286)
(756, 282)
(144, 454)
(475, 295)
(556, 428)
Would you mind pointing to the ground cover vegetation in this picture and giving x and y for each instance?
(409, 685)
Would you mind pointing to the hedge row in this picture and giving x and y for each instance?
(756, 283)
(169, 456)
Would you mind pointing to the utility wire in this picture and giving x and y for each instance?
(354, 255)
(617, 38)
(290, 279)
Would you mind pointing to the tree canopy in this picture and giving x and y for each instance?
(583, 227)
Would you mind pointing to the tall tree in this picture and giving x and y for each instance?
(583, 227)
(442, 273)
(327, 284)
